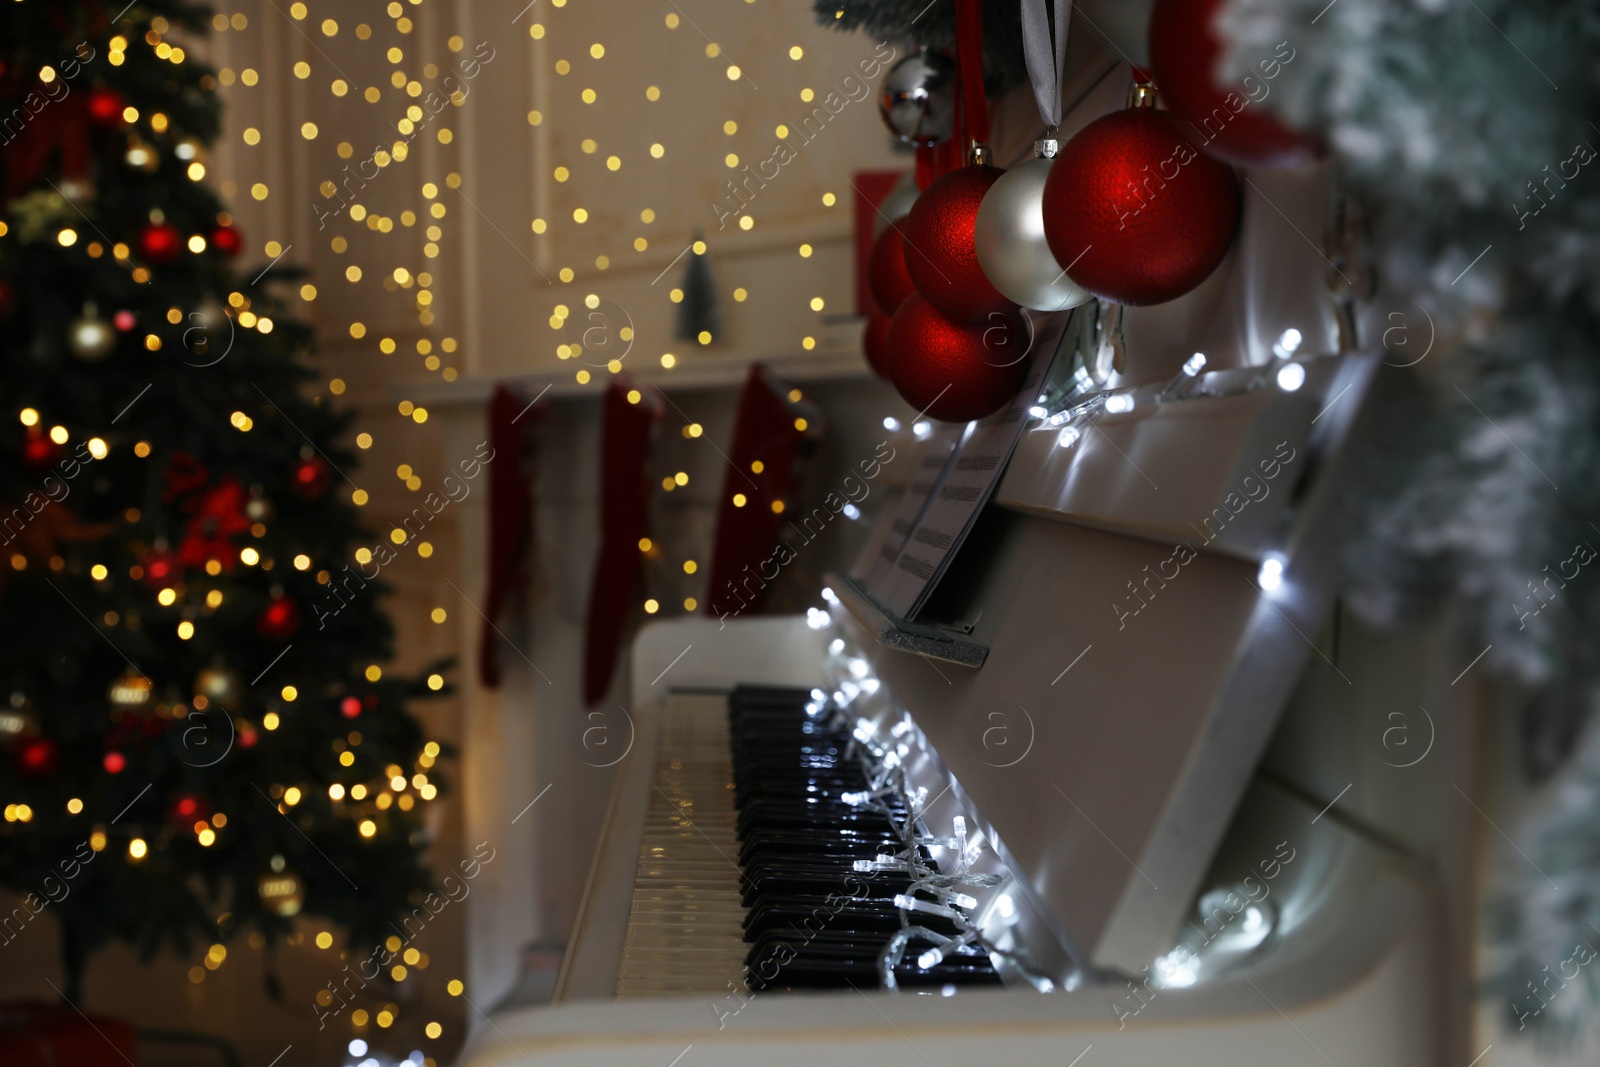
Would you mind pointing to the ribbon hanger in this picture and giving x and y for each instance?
(974, 109)
(1046, 54)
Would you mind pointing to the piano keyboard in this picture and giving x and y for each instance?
(770, 859)
(684, 923)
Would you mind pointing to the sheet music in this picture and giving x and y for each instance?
(969, 476)
(930, 461)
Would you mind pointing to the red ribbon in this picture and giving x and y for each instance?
(969, 73)
(60, 125)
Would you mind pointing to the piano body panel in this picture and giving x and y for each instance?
(1352, 968)
(704, 652)
(1133, 771)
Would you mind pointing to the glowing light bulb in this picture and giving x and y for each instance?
(1270, 577)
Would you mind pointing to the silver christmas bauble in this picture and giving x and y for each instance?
(1011, 246)
(918, 98)
(91, 338)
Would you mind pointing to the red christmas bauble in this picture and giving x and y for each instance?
(311, 478)
(38, 451)
(1135, 212)
(940, 254)
(227, 240)
(162, 569)
(886, 269)
(37, 757)
(189, 808)
(1226, 121)
(105, 107)
(875, 343)
(160, 242)
(956, 371)
(280, 620)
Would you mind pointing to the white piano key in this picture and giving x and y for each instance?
(685, 932)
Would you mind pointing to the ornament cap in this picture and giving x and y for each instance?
(980, 156)
(1143, 94)
(1046, 148)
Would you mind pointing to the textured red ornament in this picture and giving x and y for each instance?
(37, 757)
(1222, 120)
(875, 343)
(38, 451)
(311, 478)
(886, 270)
(227, 240)
(956, 371)
(160, 242)
(940, 254)
(1135, 212)
(105, 107)
(280, 620)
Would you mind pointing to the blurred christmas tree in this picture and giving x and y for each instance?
(196, 735)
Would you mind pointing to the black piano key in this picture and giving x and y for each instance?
(813, 919)
(802, 915)
(781, 960)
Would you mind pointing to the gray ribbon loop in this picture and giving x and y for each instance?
(1046, 59)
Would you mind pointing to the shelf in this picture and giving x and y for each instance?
(726, 371)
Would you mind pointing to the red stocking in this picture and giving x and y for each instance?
(510, 517)
(624, 520)
(772, 436)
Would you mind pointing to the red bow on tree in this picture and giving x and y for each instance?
(217, 516)
(54, 124)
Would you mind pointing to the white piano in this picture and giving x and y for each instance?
(1201, 835)
(1202, 814)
